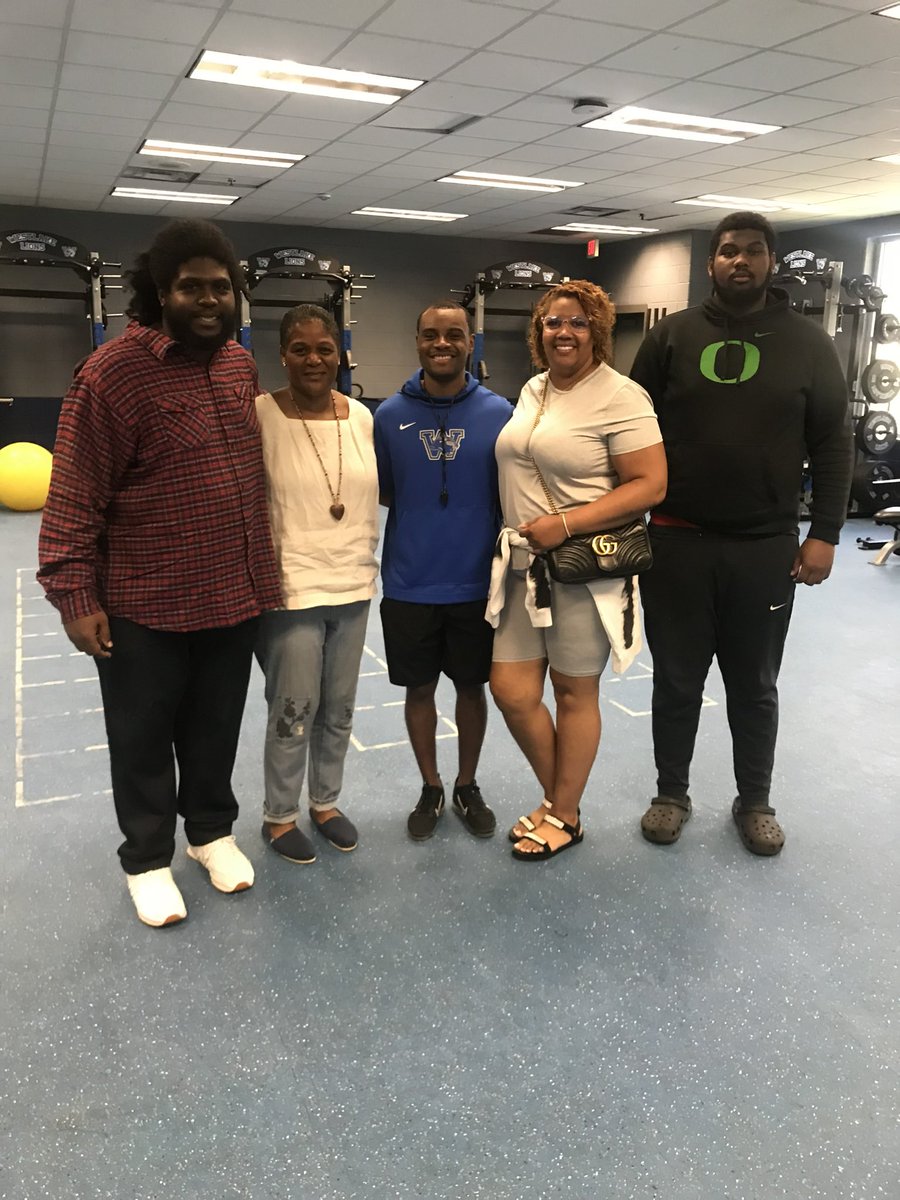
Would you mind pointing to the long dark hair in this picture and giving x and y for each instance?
(156, 268)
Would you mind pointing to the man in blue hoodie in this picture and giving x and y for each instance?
(745, 390)
(434, 440)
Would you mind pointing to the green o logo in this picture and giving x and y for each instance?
(708, 362)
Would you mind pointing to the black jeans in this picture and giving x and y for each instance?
(167, 697)
(729, 597)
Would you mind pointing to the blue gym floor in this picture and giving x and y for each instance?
(438, 1020)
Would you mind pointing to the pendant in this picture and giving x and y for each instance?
(337, 510)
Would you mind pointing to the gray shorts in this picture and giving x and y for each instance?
(575, 644)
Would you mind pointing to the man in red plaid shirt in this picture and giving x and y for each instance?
(155, 549)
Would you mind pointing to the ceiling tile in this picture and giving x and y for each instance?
(245, 33)
(770, 69)
(23, 118)
(21, 96)
(861, 121)
(704, 99)
(142, 19)
(865, 40)
(785, 110)
(448, 21)
(857, 87)
(51, 13)
(682, 57)
(30, 41)
(95, 50)
(349, 14)
(800, 139)
(116, 127)
(773, 21)
(203, 115)
(465, 98)
(399, 56)
(645, 14)
(508, 131)
(577, 41)
(508, 71)
(111, 106)
(111, 82)
(35, 71)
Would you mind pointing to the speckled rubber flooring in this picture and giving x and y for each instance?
(436, 1020)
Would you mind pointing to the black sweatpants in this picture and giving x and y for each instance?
(171, 697)
(729, 597)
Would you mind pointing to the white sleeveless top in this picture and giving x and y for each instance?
(322, 561)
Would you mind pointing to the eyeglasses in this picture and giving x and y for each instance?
(577, 324)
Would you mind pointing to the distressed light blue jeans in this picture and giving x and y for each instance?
(310, 658)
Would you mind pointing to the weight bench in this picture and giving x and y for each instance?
(888, 516)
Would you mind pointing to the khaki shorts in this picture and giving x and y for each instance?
(575, 644)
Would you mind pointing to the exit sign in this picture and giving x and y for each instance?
(593, 248)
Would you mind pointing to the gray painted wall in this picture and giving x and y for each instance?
(43, 339)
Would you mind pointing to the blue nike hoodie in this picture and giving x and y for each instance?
(438, 475)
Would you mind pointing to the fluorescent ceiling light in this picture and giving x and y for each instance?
(678, 125)
(226, 154)
(408, 214)
(628, 230)
(735, 202)
(521, 183)
(286, 76)
(893, 10)
(138, 193)
(890, 158)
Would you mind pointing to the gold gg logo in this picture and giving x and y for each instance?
(603, 544)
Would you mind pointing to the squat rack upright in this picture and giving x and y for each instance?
(293, 262)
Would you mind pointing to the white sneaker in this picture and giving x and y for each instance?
(156, 897)
(230, 870)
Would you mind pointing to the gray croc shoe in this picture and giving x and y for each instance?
(664, 820)
(760, 832)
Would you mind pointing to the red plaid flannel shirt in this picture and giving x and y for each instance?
(157, 506)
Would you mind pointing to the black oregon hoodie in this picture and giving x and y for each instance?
(742, 400)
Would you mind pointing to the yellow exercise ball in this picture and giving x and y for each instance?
(24, 476)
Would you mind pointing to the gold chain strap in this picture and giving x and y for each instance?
(540, 412)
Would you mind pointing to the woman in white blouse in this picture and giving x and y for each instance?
(586, 438)
(323, 507)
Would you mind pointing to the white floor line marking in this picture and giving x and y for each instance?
(71, 796)
(40, 657)
(51, 633)
(17, 691)
(371, 674)
(372, 654)
(55, 716)
(60, 682)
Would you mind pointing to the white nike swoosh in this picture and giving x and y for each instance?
(768, 333)
(775, 607)
(407, 425)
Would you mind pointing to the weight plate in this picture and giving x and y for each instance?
(887, 328)
(877, 433)
(868, 488)
(881, 381)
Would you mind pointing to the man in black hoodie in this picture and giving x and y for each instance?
(745, 389)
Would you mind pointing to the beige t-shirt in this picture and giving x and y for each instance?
(604, 414)
(322, 561)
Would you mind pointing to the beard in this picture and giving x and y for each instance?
(742, 297)
(178, 327)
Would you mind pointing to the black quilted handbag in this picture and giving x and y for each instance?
(608, 554)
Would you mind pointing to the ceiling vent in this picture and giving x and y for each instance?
(160, 174)
(588, 210)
